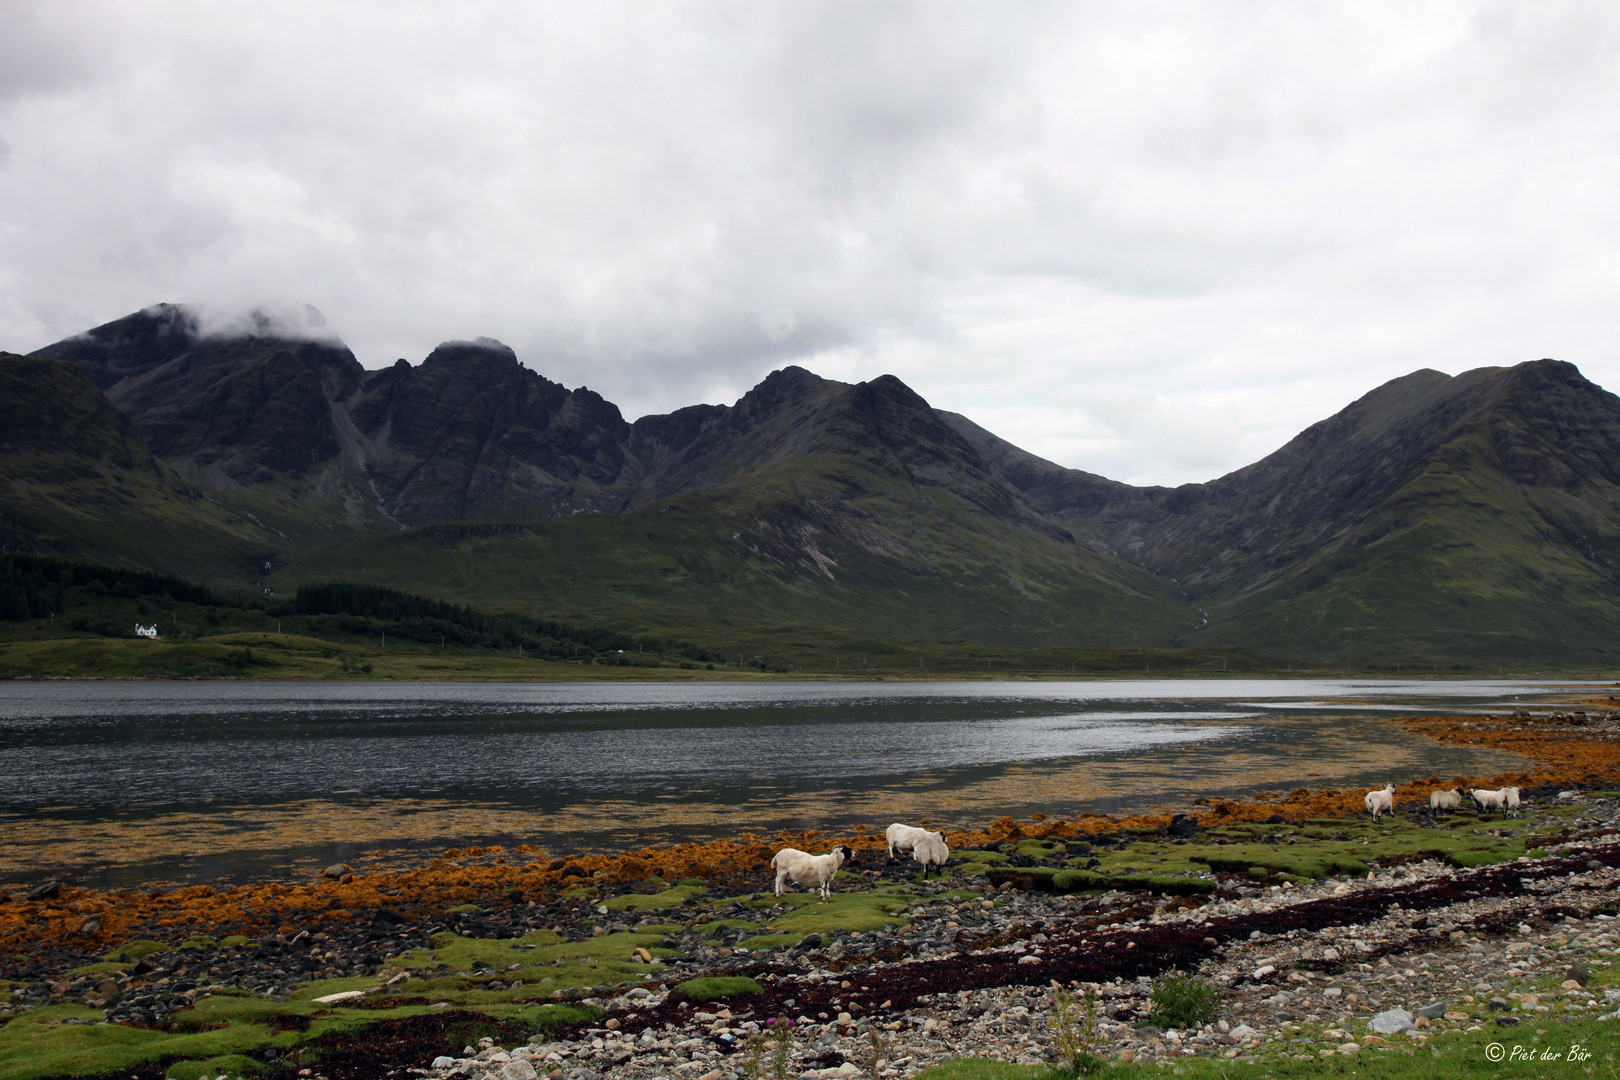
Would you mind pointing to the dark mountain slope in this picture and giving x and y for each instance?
(1474, 516)
(227, 410)
(811, 502)
(471, 434)
(78, 481)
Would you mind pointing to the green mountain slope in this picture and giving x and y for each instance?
(78, 481)
(1436, 518)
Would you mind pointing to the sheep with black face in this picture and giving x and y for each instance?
(811, 871)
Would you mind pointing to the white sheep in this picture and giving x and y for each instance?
(1510, 800)
(810, 870)
(1381, 801)
(905, 837)
(1488, 800)
(931, 851)
(1449, 799)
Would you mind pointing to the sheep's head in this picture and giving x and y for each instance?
(846, 851)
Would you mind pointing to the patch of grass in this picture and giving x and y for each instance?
(466, 909)
(551, 1017)
(38, 1044)
(983, 1069)
(134, 950)
(697, 991)
(978, 857)
(103, 968)
(224, 1065)
(1179, 1000)
(843, 911)
(653, 901)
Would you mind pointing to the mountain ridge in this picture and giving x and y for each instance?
(1475, 515)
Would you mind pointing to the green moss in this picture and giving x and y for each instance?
(697, 991)
(985, 1069)
(550, 1017)
(103, 968)
(978, 856)
(232, 1065)
(466, 909)
(235, 940)
(651, 902)
(134, 950)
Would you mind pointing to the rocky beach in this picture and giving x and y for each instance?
(1318, 932)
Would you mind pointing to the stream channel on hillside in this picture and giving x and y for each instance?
(118, 782)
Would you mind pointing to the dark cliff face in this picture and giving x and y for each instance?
(473, 434)
(883, 425)
(244, 408)
(128, 347)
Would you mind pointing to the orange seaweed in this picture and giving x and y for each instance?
(1565, 755)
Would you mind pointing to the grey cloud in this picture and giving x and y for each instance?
(1146, 239)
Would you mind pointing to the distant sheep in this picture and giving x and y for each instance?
(1510, 800)
(1381, 802)
(811, 871)
(1488, 800)
(931, 851)
(1449, 799)
(905, 837)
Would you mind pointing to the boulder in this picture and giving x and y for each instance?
(44, 892)
(345, 998)
(1392, 1022)
(516, 1069)
(1434, 1011)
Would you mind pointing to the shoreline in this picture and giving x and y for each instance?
(570, 961)
(1584, 756)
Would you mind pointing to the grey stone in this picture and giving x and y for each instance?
(1392, 1022)
(443, 1062)
(43, 892)
(517, 1069)
(1434, 1011)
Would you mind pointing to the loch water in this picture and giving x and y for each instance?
(614, 762)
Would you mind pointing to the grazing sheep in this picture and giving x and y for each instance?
(810, 870)
(905, 837)
(1510, 800)
(1449, 799)
(1490, 800)
(1381, 801)
(931, 851)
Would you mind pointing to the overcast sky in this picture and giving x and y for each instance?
(1151, 240)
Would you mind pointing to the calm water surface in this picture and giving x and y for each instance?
(702, 755)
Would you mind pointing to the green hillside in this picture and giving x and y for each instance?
(77, 481)
(809, 542)
(1496, 541)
